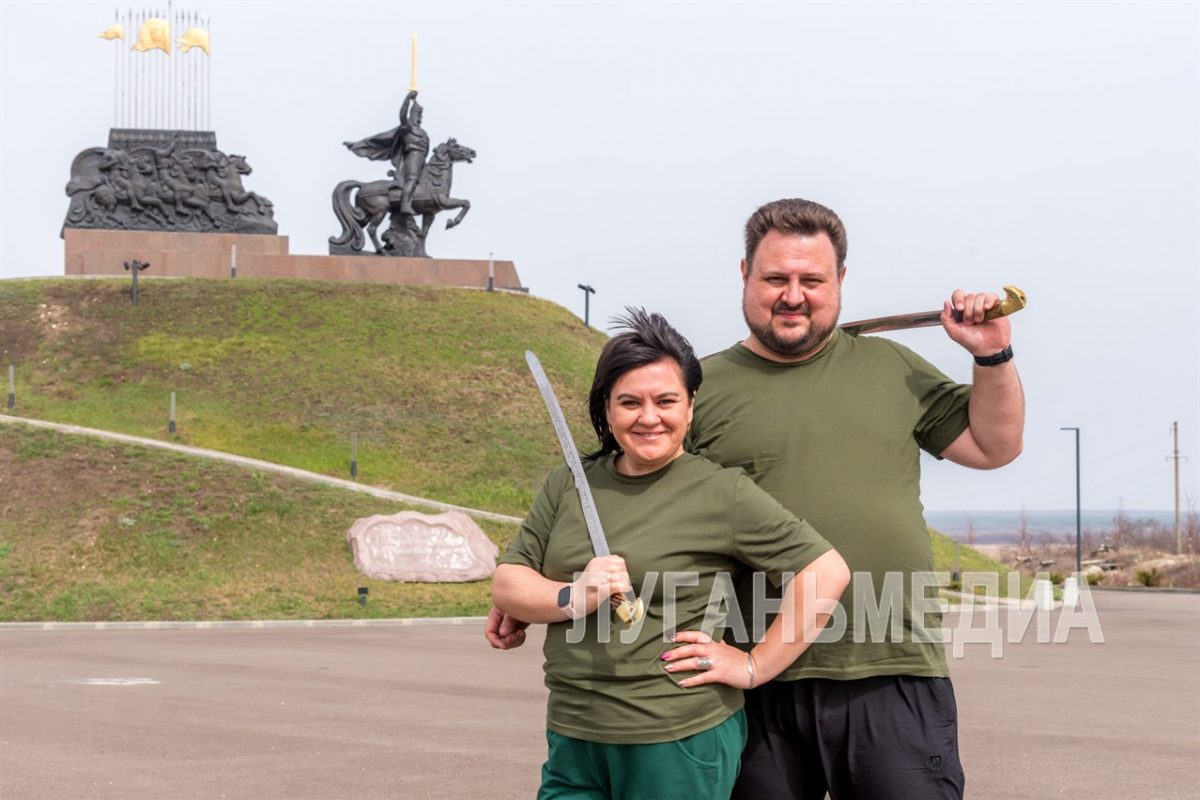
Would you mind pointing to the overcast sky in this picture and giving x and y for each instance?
(1054, 146)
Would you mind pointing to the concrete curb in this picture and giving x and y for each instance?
(991, 600)
(254, 463)
(1146, 589)
(219, 624)
(151, 625)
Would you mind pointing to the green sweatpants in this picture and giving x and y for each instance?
(699, 767)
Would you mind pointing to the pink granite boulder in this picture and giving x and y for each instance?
(422, 548)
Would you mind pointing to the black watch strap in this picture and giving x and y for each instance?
(999, 358)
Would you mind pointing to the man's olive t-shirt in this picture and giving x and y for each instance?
(678, 529)
(836, 440)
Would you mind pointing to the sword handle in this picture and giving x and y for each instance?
(1014, 300)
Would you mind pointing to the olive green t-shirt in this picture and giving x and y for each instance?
(836, 439)
(678, 530)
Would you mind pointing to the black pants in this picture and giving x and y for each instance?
(893, 737)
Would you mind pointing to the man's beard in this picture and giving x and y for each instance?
(807, 344)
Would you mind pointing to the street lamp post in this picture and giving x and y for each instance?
(135, 267)
(588, 291)
(1078, 513)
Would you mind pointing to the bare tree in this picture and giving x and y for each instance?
(1191, 525)
(1121, 526)
(1023, 549)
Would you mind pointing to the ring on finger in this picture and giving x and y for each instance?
(704, 663)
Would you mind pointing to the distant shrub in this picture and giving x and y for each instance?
(1094, 578)
(1150, 577)
(1057, 578)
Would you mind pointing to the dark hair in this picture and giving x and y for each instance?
(803, 217)
(647, 338)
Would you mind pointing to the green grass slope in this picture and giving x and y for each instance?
(970, 560)
(92, 530)
(432, 380)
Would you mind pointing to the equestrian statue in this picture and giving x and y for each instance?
(414, 188)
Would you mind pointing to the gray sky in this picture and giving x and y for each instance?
(1055, 146)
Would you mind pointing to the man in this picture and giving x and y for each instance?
(831, 425)
(406, 146)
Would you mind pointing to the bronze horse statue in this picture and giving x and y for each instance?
(371, 202)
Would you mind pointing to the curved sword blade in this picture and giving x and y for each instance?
(571, 454)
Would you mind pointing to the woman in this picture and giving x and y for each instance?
(631, 714)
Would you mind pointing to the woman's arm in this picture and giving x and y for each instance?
(807, 604)
(526, 594)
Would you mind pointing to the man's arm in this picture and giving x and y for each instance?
(502, 631)
(408, 98)
(996, 424)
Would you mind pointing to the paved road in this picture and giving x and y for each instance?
(430, 711)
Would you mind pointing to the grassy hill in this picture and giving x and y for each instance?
(93, 530)
(432, 380)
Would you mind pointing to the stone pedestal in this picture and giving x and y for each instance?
(97, 251)
(208, 255)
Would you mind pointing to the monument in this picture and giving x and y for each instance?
(162, 169)
(424, 548)
(162, 191)
(414, 187)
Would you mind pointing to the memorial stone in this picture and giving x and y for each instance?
(422, 548)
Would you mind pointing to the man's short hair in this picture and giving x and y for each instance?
(801, 217)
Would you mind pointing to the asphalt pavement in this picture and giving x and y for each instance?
(431, 711)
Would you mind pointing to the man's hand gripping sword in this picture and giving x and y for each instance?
(1014, 301)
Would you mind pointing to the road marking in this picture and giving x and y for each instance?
(117, 682)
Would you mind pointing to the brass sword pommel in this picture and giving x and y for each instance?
(1014, 301)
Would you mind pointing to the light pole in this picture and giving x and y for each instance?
(588, 291)
(1078, 513)
(135, 267)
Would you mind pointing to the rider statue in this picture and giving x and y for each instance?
(406, 146)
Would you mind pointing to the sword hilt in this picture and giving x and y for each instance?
(628, 612)
(1014, 301)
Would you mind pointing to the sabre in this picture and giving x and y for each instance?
(1014, 301)
(628, 611)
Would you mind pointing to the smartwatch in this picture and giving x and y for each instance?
(564, 600)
